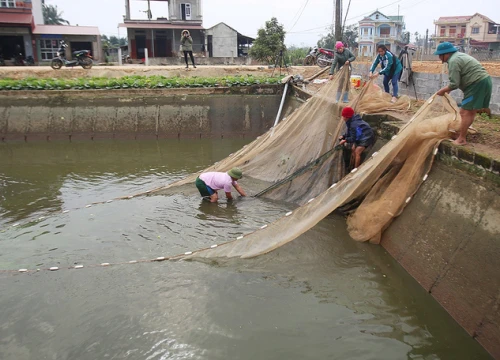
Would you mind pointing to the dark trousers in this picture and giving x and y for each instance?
(186, 57)
(394, 80)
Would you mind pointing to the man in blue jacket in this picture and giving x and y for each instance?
(391, 69)
(358, 133)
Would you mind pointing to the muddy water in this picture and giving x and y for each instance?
(321, 296)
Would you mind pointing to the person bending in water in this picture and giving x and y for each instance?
(210, 182)
(358, 133)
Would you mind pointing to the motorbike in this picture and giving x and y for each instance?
(82, 58)
(126, 59)
(311, 57)
(20, 61)
(325, 57)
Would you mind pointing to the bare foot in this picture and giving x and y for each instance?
(394, 99)
(460, 142)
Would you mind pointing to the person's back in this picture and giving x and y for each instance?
(360, 131)
(464, 70)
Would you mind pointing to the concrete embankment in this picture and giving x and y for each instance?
(448, 237)
(216, 112)
(427, 84)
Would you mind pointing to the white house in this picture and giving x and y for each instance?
(379, 29)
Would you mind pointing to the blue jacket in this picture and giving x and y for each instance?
(358, 131)
(388, 61)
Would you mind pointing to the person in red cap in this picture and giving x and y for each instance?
(359, 135)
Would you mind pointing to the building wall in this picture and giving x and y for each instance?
(174, 10)
(225, 41)
(37, 11)
(96, 49)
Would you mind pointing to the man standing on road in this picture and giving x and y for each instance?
(468, 75)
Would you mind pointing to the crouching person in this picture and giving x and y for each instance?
(210, 182)
(359, 134)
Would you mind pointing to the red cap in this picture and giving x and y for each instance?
(348, 112)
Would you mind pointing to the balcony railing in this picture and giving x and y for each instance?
(15, 4)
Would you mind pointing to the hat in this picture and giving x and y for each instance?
(347, 112)
(339, 44)
(235, 173)
(445, 48)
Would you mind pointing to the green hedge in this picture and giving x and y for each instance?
(133, 82)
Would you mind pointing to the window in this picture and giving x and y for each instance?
(453, 31)
(7, 3)
(475, 30)
(48, 48)
(442, 31)
(186, 11)
(385, 31)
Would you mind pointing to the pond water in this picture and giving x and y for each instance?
(321, 296)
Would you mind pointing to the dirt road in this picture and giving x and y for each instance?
(16, 72)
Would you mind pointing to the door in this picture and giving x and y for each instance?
(140, 41)
(210, 45)
(186, 11)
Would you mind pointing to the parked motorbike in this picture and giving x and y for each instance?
(126, 59)
(82, 58)
(20, 61)
(325, 57)
(311, 58)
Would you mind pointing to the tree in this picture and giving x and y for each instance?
(295, 55)
(270, 41)
(52, 16)
(350, 36)
(328, 41)
(405, 37)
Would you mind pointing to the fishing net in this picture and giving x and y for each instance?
(299, 158)
(373, 100)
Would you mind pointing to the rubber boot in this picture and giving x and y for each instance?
(346, 97)
(337, 98)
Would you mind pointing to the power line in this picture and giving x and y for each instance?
(354, 17)
(303, 8)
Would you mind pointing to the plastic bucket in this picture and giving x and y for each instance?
(356, 81)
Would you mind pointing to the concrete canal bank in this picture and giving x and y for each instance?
(216, 112)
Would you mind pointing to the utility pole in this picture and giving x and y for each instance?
(338, 20)
(426, 45)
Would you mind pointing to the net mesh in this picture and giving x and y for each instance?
(299, 159)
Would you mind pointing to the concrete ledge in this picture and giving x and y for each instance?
(140, 113)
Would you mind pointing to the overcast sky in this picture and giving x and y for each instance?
(305, 20)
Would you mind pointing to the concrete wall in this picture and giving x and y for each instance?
(427, 85)
(448, 239)
(225, 41)
(178, 113)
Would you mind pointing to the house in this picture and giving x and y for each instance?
(161, 36)
(476, 31)
(379, 29)
(48, 37)
(17, 18)
(21, 26)
(224, 41)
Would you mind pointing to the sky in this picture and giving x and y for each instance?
(305, 20)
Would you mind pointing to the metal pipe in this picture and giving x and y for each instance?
(281, 107)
